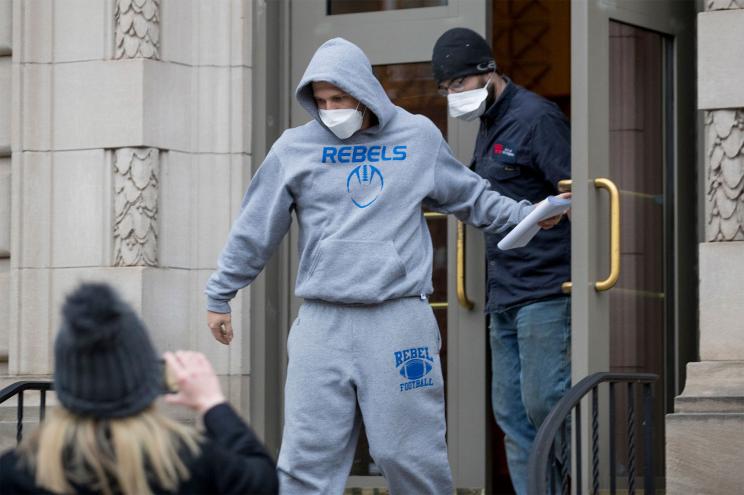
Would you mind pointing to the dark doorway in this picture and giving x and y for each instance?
(531, 41)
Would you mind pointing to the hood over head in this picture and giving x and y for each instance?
(345, 65)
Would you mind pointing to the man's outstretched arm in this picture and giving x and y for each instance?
(264, 219)
(463, 193)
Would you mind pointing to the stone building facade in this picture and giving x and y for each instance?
(125, 148)
(705, 435)
(127, 140)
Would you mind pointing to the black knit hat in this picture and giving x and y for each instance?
(105, 365)
(461, 52)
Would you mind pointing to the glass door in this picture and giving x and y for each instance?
(398, 37)
(630, 102)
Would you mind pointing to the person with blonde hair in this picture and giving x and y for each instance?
(108, 437)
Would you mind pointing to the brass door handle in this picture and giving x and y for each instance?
(611, 280)
(611, 188)
(462, 296)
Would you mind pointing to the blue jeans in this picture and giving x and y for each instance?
(531, 365)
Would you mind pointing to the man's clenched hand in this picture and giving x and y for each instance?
(220, 324)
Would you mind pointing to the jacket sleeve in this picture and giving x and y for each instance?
(240, 462)
(551, 145)
(462, 192)
(265, 217)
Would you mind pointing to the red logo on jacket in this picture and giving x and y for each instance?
(503, 151)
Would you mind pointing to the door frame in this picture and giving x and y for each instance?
(590, 159)
(268, 316)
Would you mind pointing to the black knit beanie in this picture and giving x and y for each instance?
(461, 52)
(105, 365)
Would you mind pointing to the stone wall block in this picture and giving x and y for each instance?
(721, 296)
(720, 70)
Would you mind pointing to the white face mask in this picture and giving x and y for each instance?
(468, 105)
(342, 122)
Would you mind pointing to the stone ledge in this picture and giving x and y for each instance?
(713, 386)
(708, 404)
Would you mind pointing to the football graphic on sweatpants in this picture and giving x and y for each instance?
(413, 369)
(364, 184)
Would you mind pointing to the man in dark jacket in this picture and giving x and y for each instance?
(523, 149)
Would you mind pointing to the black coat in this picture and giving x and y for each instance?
(232, 460)
(524, 149)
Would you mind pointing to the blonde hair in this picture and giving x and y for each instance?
(110, 455)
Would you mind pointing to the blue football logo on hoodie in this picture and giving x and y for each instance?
(364, 184)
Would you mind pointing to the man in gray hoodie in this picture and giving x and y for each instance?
(357, 176)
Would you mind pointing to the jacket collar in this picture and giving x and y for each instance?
(498, 107)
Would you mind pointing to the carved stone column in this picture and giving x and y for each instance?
(724, 147)
(136, 173)
(137, 29)
(705, 435)
(136, 170)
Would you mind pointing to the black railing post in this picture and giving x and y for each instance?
(19, 416)
(577, 415)
(613, 457)
(648, 438)
(566, 459)
(595, 441)
(543, 455)
(631, 439)
(17, 389)
(42, 405)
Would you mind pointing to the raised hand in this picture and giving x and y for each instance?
(198, 386)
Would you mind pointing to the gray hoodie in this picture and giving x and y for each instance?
(359, 202)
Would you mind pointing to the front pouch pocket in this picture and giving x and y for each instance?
(354, 271)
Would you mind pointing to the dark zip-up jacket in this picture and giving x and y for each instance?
(231, 460)
(524, 149)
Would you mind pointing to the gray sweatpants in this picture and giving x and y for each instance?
(385, 358)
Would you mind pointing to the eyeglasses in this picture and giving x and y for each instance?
(456, 85)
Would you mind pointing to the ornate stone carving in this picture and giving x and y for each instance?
(136, 183)
(724, 147)
(137, 29)
(724, 4)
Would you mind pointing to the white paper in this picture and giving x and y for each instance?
(527, 228)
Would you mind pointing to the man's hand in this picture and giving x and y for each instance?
(551, 222)
(220, 324)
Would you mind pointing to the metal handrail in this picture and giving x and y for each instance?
(544, 444)
(18, 388)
